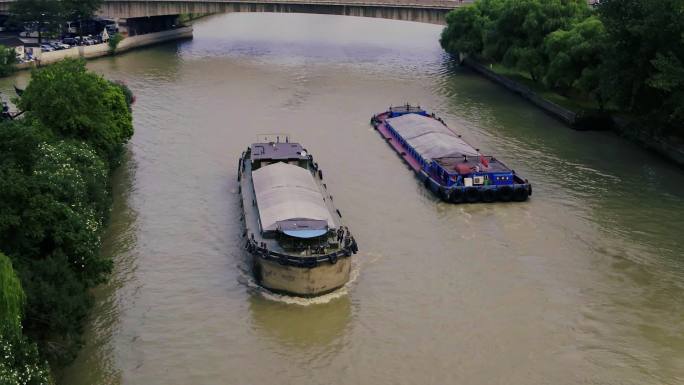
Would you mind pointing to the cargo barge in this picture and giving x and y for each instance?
(295, 235)
(447, 165)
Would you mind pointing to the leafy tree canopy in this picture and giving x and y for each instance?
(78, 104)
(54, 198)
(644, 57)
(575, 56)
(463, 33)
(77, 10)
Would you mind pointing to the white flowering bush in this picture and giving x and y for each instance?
(19, 360)
(76, 179)
(20, 363)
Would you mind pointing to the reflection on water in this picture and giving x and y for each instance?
(582, 284)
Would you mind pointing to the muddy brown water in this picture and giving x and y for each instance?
(583, 284)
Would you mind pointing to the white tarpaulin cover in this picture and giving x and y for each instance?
(430, 138)
(285, 191)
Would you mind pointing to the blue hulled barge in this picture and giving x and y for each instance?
(447, 165)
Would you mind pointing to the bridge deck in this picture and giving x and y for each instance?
(427, 11)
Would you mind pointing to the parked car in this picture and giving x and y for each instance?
(58, 45)
(46, 48)
(86, 40)
(70, 41)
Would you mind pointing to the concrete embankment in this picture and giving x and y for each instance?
(664, 147)
(99, 50)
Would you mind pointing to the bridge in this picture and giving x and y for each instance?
(425, 11)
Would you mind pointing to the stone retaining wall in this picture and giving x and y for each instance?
(99, 50)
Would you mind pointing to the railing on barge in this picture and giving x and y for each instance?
(291, 260)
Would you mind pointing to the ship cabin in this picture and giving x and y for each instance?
(393, 112)
(441, 153)
(288, 198)
(263, 154)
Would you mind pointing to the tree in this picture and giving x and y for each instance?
(54, 200)
(19, 360)
(11, 297)
(575, 56)
(54, 196)
(8, 58)
(128, 93)
(56, 207)
(644, 56)
(114, 41)
(45, 15)
(516, 37)
(669, 79)
(80, 10)
(75, 103)
(463, 33)
(467, 26)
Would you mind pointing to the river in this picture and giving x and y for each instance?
(583, 284)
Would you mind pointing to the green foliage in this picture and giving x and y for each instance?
(50, 15)
(20, 363)
(47, 14)
(643, 59)
(575, 56)
(629, 54)
(55, 198)
(511, 32)
(463, 33)
(128, 94)
(516, 37)
(19, 359)
(56, 209)
(114, 41)
(78, 10)
(8, 58)
(467, 27)
(669, 79)
(78, 104)
(11, 297)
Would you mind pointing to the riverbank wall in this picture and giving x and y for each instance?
(671, 150)
(564, 115)
(99, 50)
